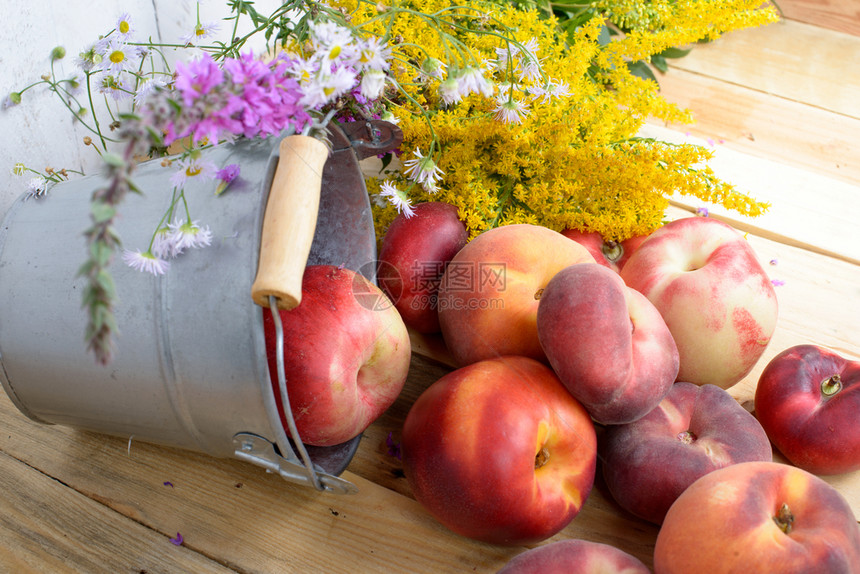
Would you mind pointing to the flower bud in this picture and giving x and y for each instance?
(58, 53)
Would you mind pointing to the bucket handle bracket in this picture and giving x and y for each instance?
(261, 452)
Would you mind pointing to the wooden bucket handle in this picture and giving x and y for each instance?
(290, 221)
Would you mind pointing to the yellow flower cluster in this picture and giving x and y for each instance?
(569, 162)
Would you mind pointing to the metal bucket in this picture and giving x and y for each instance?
(190, 367)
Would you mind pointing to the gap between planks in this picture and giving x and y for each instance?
(790, 59)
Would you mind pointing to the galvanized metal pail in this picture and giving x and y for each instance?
(190, 368)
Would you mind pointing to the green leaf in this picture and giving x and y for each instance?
(100, 253)
(675, 52)
(659, 62)
(113, 160)
(605, 35)
(155, 136)
(102, 212)
(133, 186)
(105, 280)
(642, 70)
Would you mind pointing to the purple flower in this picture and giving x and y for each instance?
(178, 540)
(244, 97)
(225, 177)
(228, 173)
(702, 211)
(777, 282)
(393, 447)
(268, 96)
(197, 78)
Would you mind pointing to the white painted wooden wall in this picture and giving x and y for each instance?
(40, 132)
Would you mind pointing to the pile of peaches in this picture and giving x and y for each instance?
(576, 356)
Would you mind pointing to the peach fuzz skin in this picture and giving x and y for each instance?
(714, 295)
(607, 343)
(574, 557)
(345, 363)
(488, 298)
(725, 523)
(412, 258)
(499, 451)
(694, 430)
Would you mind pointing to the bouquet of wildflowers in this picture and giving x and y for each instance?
(521, 111)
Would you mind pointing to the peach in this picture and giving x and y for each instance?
(607, 343)
(499, 451)
(612, 254)
(713, 293)
(346, 359)
(413, 256)
(694, 430)
(574, 557)
(808, 400)
(488, 298)
(759, 518)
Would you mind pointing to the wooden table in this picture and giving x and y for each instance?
(779, 105)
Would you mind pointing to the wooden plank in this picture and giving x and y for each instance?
(48, 527)
(762, 125)
(807, 210)
(839, 15)
(788, 59)
(237, 514)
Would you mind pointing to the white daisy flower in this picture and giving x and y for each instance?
(529, 66)
(472, 81)
(89, 58)
(325, 88)
(145, 261)
(192, 168)
(12, 99)
(147, 88)
(397, 198)
(334, 43)
(303, 70)
(189, 235)
(163, 246)
(423, 170)
(200, 33)
(37, 187)
(432, 68)
(387, 116)
(372, 84)
(553, 89)
(509, 110)
(559, 89)
(117, 87)
(449, 91)
(118, 57)
(373, 55)
(124, 26)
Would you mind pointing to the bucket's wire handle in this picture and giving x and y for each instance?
(285, 399)
(288, 230)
